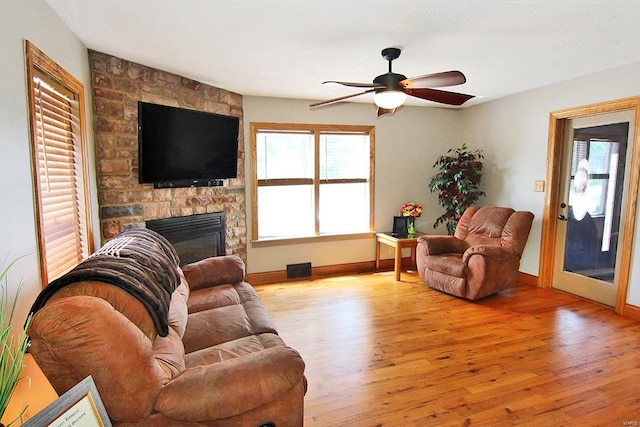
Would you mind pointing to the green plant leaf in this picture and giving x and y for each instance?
(12, 347)
(457, 182)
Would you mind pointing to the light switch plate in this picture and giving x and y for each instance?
(538, 186)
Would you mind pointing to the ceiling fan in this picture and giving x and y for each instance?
(391, 89)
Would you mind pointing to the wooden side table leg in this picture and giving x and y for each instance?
(377, 254)
(413, 257)
(397, 265)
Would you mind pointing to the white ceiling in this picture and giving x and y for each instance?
(287, 48)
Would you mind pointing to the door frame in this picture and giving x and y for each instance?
(557, 121)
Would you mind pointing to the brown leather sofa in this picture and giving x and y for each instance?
(221, 362)
(482, 257)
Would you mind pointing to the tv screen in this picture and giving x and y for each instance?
(180, 148)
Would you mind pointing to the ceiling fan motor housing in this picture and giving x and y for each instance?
(390, 80)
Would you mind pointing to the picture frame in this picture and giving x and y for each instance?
(400, 226)
(81, 406)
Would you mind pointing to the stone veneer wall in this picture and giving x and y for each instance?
(117, 86)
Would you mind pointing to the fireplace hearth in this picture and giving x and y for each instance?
(195, 237)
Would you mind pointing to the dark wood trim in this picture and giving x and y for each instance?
(631, 311)
(280, 276)
(527, 279)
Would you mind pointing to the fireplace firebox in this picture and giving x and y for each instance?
(195, 237)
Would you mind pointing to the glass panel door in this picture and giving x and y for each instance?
(590, 220)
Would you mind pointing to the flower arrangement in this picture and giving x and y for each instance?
(411, 209)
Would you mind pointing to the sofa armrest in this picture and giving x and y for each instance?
(214, 271)
(231, 387)
(435, 245)
(495, 252)
(78, 336)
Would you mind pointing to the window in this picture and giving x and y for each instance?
(311, 180)
(596, 162)
(56, 110)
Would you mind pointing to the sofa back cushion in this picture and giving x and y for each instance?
(214, 271)
(117, 297)
(495, 226)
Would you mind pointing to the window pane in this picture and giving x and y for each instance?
(344, 156)
(599, 156)
(285, 211)
(281, 155)
(344, 208)
(308, 164)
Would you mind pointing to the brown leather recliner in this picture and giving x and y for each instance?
(482, 257)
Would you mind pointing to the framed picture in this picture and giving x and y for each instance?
(400, 226)
(79, 407)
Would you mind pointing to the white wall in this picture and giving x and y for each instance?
(34, 21)
(407, 145)
(513, 133)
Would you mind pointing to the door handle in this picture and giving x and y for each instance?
(561, 217)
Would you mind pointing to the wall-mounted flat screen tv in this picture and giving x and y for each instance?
(185, 148)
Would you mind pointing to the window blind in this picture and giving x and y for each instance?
(59, 178)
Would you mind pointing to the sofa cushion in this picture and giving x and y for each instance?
(251, 381)
(212, 327)
(217, 296)
(214, 271)
(232, 349)
(450, 264)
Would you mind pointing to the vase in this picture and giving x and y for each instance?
(411, 226)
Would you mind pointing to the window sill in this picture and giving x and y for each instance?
(264, 243)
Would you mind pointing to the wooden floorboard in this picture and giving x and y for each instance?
(386, 353)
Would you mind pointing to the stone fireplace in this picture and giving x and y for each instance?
(117, 86)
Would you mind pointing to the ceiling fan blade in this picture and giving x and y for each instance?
(342, 98)
(441, 96)
(353, 84)
(446, 78)
(383, 111)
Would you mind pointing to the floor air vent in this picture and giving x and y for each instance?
(298, 270)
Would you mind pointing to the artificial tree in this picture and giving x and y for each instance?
(457, 184)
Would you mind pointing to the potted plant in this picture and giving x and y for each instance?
(12, 346)
(457, 184)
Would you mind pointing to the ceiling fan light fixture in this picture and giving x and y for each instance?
(389, 99)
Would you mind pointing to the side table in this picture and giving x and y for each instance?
(397, 242)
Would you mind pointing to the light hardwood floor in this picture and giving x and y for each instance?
(386, 353)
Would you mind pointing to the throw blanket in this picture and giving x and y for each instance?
(140, 261)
